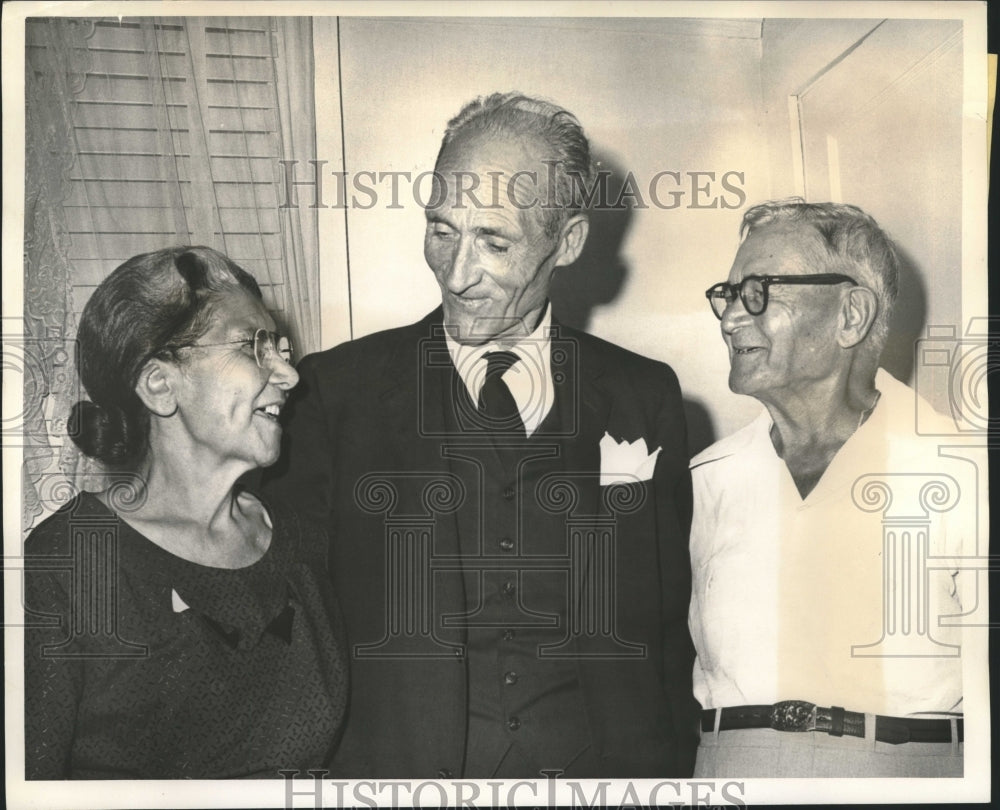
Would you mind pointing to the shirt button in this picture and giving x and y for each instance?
(506, 544)
(508, 588)
(509, 492)
(510, 678)
(513, 723)
(445, 773)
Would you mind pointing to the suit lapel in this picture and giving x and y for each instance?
(412, 383)
(416, 388)
(415, 382)
(585, 408)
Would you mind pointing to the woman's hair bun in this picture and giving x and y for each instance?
(100, 433)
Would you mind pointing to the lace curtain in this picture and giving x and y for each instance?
(55, 71)
(141, 133)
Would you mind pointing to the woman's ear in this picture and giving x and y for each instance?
(156, 388)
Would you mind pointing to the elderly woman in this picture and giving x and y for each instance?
(191, 628)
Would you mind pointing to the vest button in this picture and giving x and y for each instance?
(513, 724)
(445, 773)
(506, 544)
(508, 588)
(508, 635)
(510, 678)
(509, 492)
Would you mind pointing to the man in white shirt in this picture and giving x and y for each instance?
(815, 611)
(511, 613)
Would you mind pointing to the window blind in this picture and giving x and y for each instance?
(176, 134)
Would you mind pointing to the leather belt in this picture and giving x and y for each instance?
(800, 715)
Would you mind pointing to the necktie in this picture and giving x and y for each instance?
(496, 403)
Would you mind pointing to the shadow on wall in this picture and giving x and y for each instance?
(701, 429)
(598, 277)
(908, 321)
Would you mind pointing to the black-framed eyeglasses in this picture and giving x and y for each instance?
(264, 343)
(752, 290)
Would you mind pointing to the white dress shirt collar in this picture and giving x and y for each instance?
(529, 380)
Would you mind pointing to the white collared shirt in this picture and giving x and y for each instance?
(529, 380)
(789, 594)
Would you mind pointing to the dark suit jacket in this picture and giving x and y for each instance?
(368, 453)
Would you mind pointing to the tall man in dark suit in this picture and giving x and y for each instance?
(508, 499)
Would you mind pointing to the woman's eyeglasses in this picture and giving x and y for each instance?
(752, 290)
(264, 343)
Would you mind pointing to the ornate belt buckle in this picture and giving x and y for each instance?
(793, 715)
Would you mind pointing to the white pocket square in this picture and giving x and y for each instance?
(626, 462)
(178, 604)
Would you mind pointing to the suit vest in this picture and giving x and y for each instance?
(525, 704)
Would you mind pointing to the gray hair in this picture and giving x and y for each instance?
(150, 306)
(852, 242)
(517, 115)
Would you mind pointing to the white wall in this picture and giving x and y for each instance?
(881, 125)
(653, 95)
